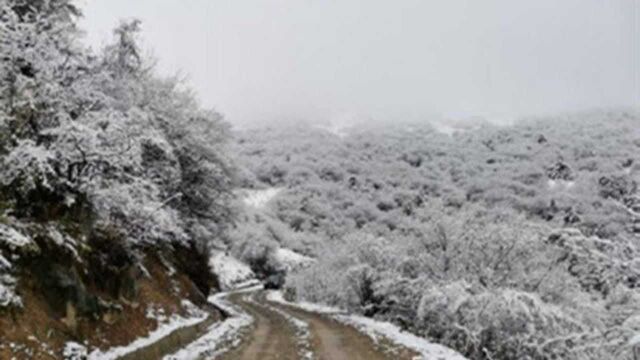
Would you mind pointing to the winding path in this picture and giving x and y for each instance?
(284, 332)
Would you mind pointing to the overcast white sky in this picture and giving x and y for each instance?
(262, 60)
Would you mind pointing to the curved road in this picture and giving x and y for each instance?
(283, 332)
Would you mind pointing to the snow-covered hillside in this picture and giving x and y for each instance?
(231, 272)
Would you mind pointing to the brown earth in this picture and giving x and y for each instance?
(273, 337)
(38, 332)
(270, 338)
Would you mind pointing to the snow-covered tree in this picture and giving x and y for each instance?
(105, 130)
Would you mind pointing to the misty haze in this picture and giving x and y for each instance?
(330, 180)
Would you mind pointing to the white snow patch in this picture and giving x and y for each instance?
(5, 265)
(445, 129)
(174, 322)
(247, 284)
(74, 351)
(12, 237)
(63, 241)
(341, 122)
(453, 125)
(277, 297)
(338, 130)
(225, 332)
(156, 313)
(375, 329)
(231, 272)
(259, 198)
(216, 335)
(8, 296)
(290, 260)
(560, 184)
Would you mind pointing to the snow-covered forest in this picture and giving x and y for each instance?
(136, 223)
(502, 242)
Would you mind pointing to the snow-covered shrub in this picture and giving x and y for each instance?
(8, 296)
(29, 166)
(346, 277)
(507, 324)
(252, 246)
(617, 187)
(489, 284)
(288, 260)
(101, 160)
(598, 264)
(229, 270)
(321, 284)
(136, 208)
(12, 241)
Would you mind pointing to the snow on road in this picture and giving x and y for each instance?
(376, 329)
(222, 335)
(264, 324)
(303, 333)
(175, 322)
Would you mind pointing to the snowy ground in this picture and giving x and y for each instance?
(376, 329)
(303, 334)
(220, 336)
(167, 327)
(233, 333)
(229, 334)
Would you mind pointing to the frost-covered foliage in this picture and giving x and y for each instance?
(11, 240)
(490, 286)
(230, 271)
(8, 296)
(578, 170)
(104, 132)
(264, 242)
(502, 242)
(102, 162)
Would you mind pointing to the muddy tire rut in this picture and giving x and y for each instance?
(273, 336)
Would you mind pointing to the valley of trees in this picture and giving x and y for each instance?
(500, 242)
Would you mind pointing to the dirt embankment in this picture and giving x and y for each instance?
(39, 330)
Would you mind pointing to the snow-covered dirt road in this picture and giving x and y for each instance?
(280, 331)
(270, 335)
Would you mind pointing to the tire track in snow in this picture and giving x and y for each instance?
(303, 334)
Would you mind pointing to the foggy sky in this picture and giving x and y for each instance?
(406, 59)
